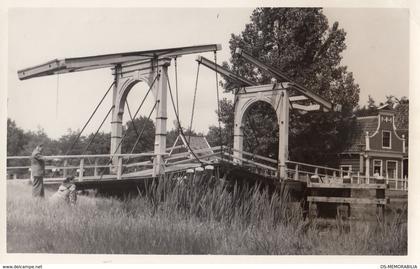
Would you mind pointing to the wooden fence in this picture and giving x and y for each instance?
(82, 166)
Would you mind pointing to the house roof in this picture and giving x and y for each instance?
(197, 142)
(401, 132)
(387, 108)
(357, 136)
(369, 124)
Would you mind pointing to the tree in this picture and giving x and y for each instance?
(325, 131)
(371, 102)
(299, 43)
(15, 139)
(101, 144)
(370, 110)
(260, 128)
(226, 118)
(401, 117)
(172, 135)
(67, 144)
(400, 106)
(144, 127)
(15, 144)
(261, 131)
(39, 137)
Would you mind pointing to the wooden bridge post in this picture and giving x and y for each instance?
(31, 177)
(380, 194)
(238, 132)
(296, 177)
(120, 167)
(81, 168)
(160, 91)
(64, 168)
(283, 120)
(95, 171)
(117, 117)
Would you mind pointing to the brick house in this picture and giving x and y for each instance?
(376, 146)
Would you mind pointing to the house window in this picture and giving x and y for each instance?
(391, 169)
(346, 169)
(386, 139)
(377, 167)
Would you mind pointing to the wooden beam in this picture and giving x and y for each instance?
(107, 60)
(303, 90)
(347, 200)
(306, 108)
(141, 66)
(250, 161)
(346, 186)
(256, 156)
(265, 88)
(221, 70)
(176, 52)
(124, 155)
(298, 98)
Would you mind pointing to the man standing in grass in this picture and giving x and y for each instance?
(38, 168)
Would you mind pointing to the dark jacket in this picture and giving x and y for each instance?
(37, 164)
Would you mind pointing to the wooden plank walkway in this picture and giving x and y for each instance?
(350, 200)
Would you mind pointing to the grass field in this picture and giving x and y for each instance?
(189, 220)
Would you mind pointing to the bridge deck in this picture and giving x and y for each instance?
(139, 167)
(129, 178)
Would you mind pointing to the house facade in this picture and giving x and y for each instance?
(377, 147)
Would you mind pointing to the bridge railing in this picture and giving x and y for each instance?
(98, 166)
(304, 172)
(253, 162)
(81, 166)
(205, 155)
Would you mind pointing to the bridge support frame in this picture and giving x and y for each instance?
(278, 97)
(154, 73)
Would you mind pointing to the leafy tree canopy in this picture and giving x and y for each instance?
(400, 106)
(15, 138)
(140, 127)
(300, 43)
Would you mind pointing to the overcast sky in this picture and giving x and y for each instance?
(377, 54)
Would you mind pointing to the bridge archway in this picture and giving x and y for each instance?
(154, 73)
(260, 129)
(135, 97)
(277, 96)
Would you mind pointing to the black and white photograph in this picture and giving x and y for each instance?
(255, 130)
